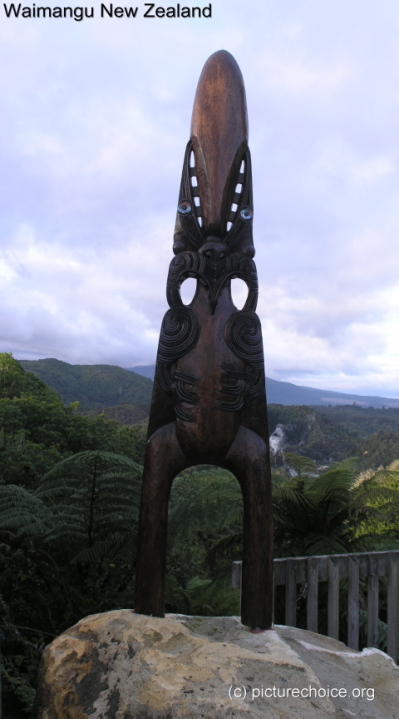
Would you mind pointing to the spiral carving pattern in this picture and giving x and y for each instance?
(179, 334)
(243, 336)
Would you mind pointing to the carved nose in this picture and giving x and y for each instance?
(214, 251)
(214, 254)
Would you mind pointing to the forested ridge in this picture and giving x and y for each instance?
(69, 499)
(330, 434)
(325, 434)
(117, 393)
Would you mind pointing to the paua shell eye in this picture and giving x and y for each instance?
(246, 214)
(184, 207)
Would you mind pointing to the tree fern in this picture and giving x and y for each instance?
(377, 492)
(204, 500)
(335, 512)
(95, 497)
(23, 512)
(201, 597)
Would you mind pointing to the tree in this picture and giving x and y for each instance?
(37, 430)
(205, 510)
(324, 514)
(95, 498)
(66, 550)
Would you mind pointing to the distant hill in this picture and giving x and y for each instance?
(145, 370)
(288, 393)
(305, 430)
(363, 421)
(291, 394)
(121, 394)
(326, 426)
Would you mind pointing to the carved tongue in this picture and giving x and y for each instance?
(219, 133)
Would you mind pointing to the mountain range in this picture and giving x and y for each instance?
(324, 425)
(116, 392)
(104, 386)
(291, 394)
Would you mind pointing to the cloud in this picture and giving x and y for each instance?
(87, 306)
(93, 125)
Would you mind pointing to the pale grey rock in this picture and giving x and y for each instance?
(122, 665)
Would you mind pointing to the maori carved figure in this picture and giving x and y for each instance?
(209, 402)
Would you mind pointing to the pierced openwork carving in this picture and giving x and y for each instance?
(214, 272)
(209, 402)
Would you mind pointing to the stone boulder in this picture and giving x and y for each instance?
(122, 665)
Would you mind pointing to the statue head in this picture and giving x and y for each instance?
(215, 207)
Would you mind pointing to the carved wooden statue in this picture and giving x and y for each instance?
(209, 403)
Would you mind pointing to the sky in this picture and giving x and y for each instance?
(94, 119)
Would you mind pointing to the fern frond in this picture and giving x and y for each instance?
(21, 510)
(95, 497)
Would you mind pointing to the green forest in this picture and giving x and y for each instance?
(69, 497)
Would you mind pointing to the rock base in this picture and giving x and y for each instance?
(122, 665)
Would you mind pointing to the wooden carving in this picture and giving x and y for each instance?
(209, 402)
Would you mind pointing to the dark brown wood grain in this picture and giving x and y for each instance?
(209, 401)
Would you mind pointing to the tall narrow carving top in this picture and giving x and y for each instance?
(219, 119)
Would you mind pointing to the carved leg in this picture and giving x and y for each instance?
(248, 459)
(163, 461)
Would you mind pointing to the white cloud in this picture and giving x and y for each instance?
(94, 121)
